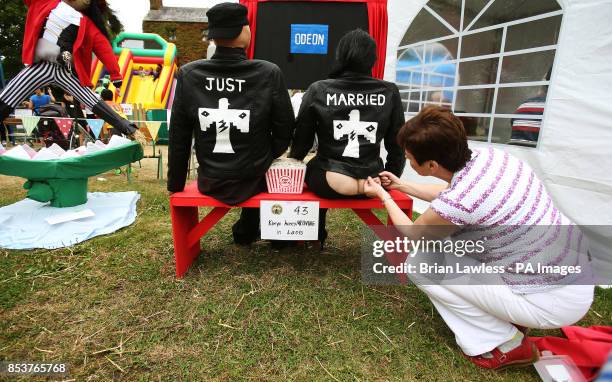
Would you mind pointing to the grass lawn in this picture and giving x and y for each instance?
(112, 308)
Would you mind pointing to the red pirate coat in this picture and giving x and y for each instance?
(89, 40)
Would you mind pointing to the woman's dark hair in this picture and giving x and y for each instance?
(94, 13)
(436, 134)
(103, 18)
(356, 52)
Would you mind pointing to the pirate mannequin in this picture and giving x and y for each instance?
(60, 37)
(240, 113)
(351, 114)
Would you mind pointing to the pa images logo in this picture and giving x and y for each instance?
(277, 209)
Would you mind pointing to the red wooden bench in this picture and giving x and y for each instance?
(187, 228)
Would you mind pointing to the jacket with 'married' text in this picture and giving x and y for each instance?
(351, 115)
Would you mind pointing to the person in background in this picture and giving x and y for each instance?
(438, 98)
(103, 83)
(6, 133)
(527, 129)
(41, 99)
(75, 111)
(109, 98)
(157, 72)
(240, 113)
(142, 72)
(48, 130)
(351, 114)
(487, 189)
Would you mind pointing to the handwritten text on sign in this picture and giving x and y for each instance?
(284, 220)
(128, 109)
(309, 38)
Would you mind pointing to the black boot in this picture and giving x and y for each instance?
(246, 230)
(102, 110)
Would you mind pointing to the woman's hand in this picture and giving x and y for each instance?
(373, 189)
(390, 181)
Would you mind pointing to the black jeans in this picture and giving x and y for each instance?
(246, 229)
(235, 191)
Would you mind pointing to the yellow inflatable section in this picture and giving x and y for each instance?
(148, 74)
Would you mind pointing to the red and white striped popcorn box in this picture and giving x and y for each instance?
(286, 176)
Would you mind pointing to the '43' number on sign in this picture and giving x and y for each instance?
(301, 210)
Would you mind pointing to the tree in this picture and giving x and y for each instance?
(12, 22)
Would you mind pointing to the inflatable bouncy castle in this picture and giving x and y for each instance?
(148, 72)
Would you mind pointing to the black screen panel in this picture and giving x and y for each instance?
(273, 35)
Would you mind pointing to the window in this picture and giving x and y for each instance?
(171, 33)
(488, 60)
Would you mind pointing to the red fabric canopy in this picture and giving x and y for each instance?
(377, 19)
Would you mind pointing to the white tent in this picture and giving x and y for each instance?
(574, 152)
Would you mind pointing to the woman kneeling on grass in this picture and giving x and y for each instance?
(489, 188)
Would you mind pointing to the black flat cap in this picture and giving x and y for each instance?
(226, 20)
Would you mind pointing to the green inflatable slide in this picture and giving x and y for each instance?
(63, 182)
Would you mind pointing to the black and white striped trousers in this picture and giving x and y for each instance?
(42, 74)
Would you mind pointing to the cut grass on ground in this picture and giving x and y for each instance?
(112, 308)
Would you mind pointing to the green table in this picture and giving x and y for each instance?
(63, 182)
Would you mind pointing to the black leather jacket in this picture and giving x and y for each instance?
(351, 115)
(239, 111)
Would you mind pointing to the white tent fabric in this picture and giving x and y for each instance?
(24, 226)
(574, 156)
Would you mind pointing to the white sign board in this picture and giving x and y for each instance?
(284, 220)
(20, 112)
(127, 108)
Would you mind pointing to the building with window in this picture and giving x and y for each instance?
(185, 27)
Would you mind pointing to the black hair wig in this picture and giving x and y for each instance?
(356, 52)
(104, 18)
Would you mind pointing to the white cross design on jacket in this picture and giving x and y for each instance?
(222, 120)
(354, 128)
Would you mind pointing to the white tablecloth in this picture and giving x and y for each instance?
(23, 225)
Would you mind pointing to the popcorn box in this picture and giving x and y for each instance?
(286, 176)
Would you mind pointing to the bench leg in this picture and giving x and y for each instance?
(183, 221)
(213, 217)
(187, 231)
(383, 233)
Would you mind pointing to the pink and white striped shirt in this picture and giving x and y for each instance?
(499, 197)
